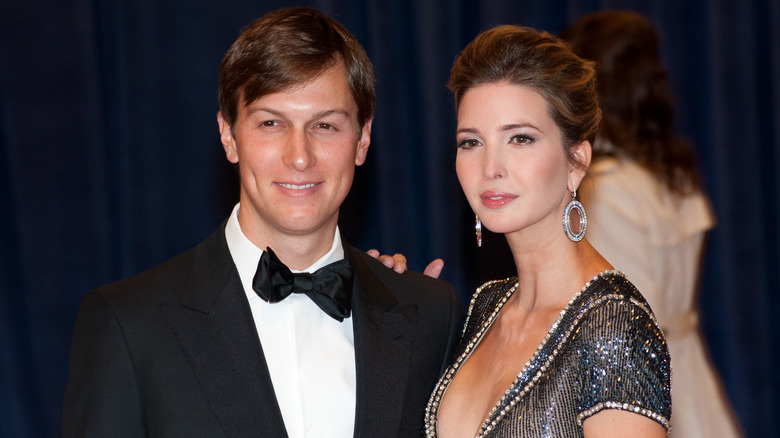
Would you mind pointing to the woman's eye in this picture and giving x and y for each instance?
(522, 139)
(468, 143)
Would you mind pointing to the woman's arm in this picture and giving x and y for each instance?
(611, 423)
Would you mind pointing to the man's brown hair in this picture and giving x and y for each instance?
(291, 47)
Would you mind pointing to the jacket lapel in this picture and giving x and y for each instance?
(216, 331)
(384, 331)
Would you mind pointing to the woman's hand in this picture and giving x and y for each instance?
(397, 262)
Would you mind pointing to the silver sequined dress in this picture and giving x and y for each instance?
(605, 351)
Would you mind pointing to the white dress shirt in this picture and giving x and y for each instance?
(311, 356)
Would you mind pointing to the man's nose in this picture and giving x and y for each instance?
(298, 151)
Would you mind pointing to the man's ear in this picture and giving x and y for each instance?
(582, 155)
(363, 143)
(226, 136)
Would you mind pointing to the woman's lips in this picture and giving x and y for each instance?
(492, 199)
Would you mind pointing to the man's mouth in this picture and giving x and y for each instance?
(297, 186)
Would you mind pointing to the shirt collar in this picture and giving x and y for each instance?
(246, 254)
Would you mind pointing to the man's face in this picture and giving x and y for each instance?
(296, 150)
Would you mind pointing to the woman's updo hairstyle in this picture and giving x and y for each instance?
(538, 60)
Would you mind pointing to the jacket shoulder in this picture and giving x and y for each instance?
(410, 285)
(168, 280)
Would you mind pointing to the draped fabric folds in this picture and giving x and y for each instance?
(110, 161)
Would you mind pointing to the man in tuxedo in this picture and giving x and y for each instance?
(230, 339)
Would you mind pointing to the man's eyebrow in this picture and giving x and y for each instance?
(337, 111)
(251, 110)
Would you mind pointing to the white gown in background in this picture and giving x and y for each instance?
(656, 239)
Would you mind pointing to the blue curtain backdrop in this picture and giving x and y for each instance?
(110, 160)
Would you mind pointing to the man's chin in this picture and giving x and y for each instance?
(306, 226)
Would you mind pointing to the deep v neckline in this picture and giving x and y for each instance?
(525, 380)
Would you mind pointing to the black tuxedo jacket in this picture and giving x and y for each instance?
(173, 352)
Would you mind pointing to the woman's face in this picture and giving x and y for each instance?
(511, 162)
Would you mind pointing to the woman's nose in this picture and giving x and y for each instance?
(493, 163)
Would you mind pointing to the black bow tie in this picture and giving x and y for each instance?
(330, 287)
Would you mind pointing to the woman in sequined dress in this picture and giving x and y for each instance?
(569, 347)
(646, 209)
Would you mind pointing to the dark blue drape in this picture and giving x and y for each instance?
(111, 163)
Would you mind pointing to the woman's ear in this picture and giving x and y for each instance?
(581, 154)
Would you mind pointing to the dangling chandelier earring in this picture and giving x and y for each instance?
(478, 230)
(574, 204)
